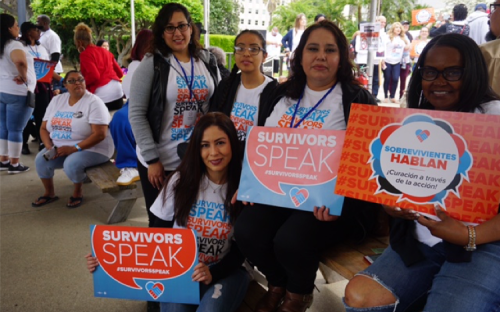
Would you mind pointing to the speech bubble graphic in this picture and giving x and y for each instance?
(299, 196)
(301, 157)
(130, 253)
(155, 290)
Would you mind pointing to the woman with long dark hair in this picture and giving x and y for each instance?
(170, 91)
(17, 77)
(438, 260)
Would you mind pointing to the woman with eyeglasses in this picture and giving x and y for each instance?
(76, 136)
(170, 91)
(286, 244)
(100, 69)
(438, 259)
(241, 95)
(491, 49)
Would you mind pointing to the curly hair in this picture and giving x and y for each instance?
(83, 33)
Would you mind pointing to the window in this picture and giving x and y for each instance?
(242, 21)
(256, 11)
(249, 22)
(242, 10)
(249, 11)
(263, 23)
(256, 22)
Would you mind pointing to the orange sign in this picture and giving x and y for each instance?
(422, 16)
(416, 159)
(416, 47)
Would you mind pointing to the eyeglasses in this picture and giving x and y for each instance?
(169, 29)
(73, 81)
(450, 73)
(251, 50)
(493, 7)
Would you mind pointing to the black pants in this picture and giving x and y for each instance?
(150, 193)
(42, 100)
(285, 244)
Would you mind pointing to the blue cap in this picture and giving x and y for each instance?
(481, 6)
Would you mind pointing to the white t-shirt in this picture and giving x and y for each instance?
(51, 41)
(273, 50)
(296, 38)
(110, 92)
(182, 112)
(328, 115)
(394, 50)
(38, 51)
(208, 218)
(422, 233)
(69, 125)
(127, 80)
(8, 71)
(245, 110)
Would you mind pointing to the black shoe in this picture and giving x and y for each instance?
(379, 101)
(153, 306)
(25, 150)
(19, 169)
(4, 167)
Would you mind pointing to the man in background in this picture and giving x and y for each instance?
(273, 47)
(478, 23)
(50, 41)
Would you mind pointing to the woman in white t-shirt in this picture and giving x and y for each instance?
(396, 44)
(76, 136)
(197, 196)
(241, 94)
(17, 77)
(436, 261)
(291, 40)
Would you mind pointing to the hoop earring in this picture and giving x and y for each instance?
(420, 99)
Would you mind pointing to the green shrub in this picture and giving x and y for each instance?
(225, 42)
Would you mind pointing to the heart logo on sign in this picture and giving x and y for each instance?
(155, 290)
(422, 135)
(299, 196)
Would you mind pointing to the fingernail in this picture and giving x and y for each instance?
(397, 209)
(417, 215)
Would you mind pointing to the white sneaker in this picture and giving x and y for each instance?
(128, 176)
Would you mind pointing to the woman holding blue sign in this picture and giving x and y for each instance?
(211, 169)
(241, 95)
(285, 244)
(454, 264)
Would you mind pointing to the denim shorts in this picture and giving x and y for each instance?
(458, 287)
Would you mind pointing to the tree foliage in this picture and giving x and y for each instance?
(107, 19)
(224, 17)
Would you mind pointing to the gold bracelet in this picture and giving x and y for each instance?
(471, 246)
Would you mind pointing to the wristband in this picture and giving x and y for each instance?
(471, 246)
(78, 148)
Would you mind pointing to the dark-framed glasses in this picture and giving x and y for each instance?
(450, 73)
(169, 29)
(73, 81)
(493, 7)
(251, 50)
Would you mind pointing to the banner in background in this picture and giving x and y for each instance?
(150, 264)
(416, 159)
(44, 70)
(292, 168)
(422, 16)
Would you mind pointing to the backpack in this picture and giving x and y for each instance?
(457, 29)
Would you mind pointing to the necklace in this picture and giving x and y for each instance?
(214, 189)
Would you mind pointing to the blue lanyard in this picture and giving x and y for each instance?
(309, 112)
(190, 85)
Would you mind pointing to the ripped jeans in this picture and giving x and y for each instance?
(226, 295)
(458, 287)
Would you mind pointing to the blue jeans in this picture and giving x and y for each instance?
(226, 295)
(457, 287)
(375, 81)
(73, 165)
(391, 79)
(121, 131)
(14, 114)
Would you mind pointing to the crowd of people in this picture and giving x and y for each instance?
(182, 131)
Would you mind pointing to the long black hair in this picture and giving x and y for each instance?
(192, 169)
(298, 79)
(6, 22)
(475, 83)
(232, 77)
(163, 18)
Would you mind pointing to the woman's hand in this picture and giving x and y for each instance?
(65, 151)
(235, 198)
(397, 212)
(19, 80)
(448, 229)
(156, 175)
(323, 214)
(202, 274)
(92, 262)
